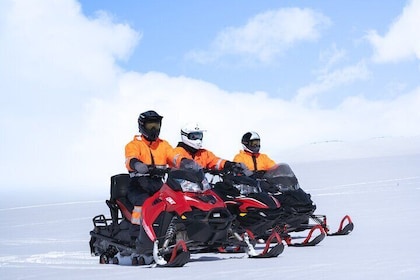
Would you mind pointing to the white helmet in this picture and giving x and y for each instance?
(251, 142)
(192, 135)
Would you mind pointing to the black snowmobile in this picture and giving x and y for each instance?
(298, 207)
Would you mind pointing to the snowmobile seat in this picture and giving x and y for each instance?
(119, 188)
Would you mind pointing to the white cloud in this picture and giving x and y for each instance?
(58, 52)
(265, 36)
(401, 42)
(53, 61)
(330, 57)
(331, 80)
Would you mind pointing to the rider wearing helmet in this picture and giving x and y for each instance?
(146, 154)
(191, 147)
(147, 151)
(251, 156)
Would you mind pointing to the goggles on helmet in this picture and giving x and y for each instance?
(254, 143)
(195, 135)
(151, 125)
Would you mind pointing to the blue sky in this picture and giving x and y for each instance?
(172, 32)
(74, 75)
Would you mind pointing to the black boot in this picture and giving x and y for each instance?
(144, 245)
(134, 231)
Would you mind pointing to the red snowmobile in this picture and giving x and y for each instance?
(185, 216)
(298, 207)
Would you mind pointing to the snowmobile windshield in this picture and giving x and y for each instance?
(196, 187)
(280, 170)
(282, 178)
(247, 189)
(244, 184)
(188, 181)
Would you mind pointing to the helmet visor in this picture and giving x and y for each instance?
(151, 125)
(195, 135)
(254, 143)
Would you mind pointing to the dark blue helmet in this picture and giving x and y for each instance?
(149, 125)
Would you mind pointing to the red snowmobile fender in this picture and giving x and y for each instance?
(168, 200)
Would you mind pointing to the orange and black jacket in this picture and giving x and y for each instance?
(203, 157)
(156, 153)
(254, 162)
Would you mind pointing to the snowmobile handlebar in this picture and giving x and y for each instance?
(215, 172)
(160, 171)
(256, 174)
(224, 172)
(153, 171)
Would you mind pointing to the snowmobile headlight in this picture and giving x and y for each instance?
(263, 214)
(216, 215)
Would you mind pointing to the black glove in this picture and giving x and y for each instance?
(141, 168)
(187, 163)
(157, 172)
(237, 168)
(228, 167)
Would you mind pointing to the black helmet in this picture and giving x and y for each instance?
(251, 142)
(149, 125)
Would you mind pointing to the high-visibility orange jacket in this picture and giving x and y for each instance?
(254, 161)
(158, 152)
(203, 157)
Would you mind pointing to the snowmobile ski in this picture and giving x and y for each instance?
(344, 230)
(268, 252)
(322, 226)
(308, 241)
(179, 257)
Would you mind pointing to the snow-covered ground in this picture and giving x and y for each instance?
(46, 235)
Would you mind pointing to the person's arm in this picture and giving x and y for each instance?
(241, 157)
(174, 155)
(213, 161)
(268, 162)
(131, 155)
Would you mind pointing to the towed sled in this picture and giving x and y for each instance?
(298, 208)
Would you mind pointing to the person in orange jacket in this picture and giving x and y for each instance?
(147, 154)
(191, 147)
(251, 156)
